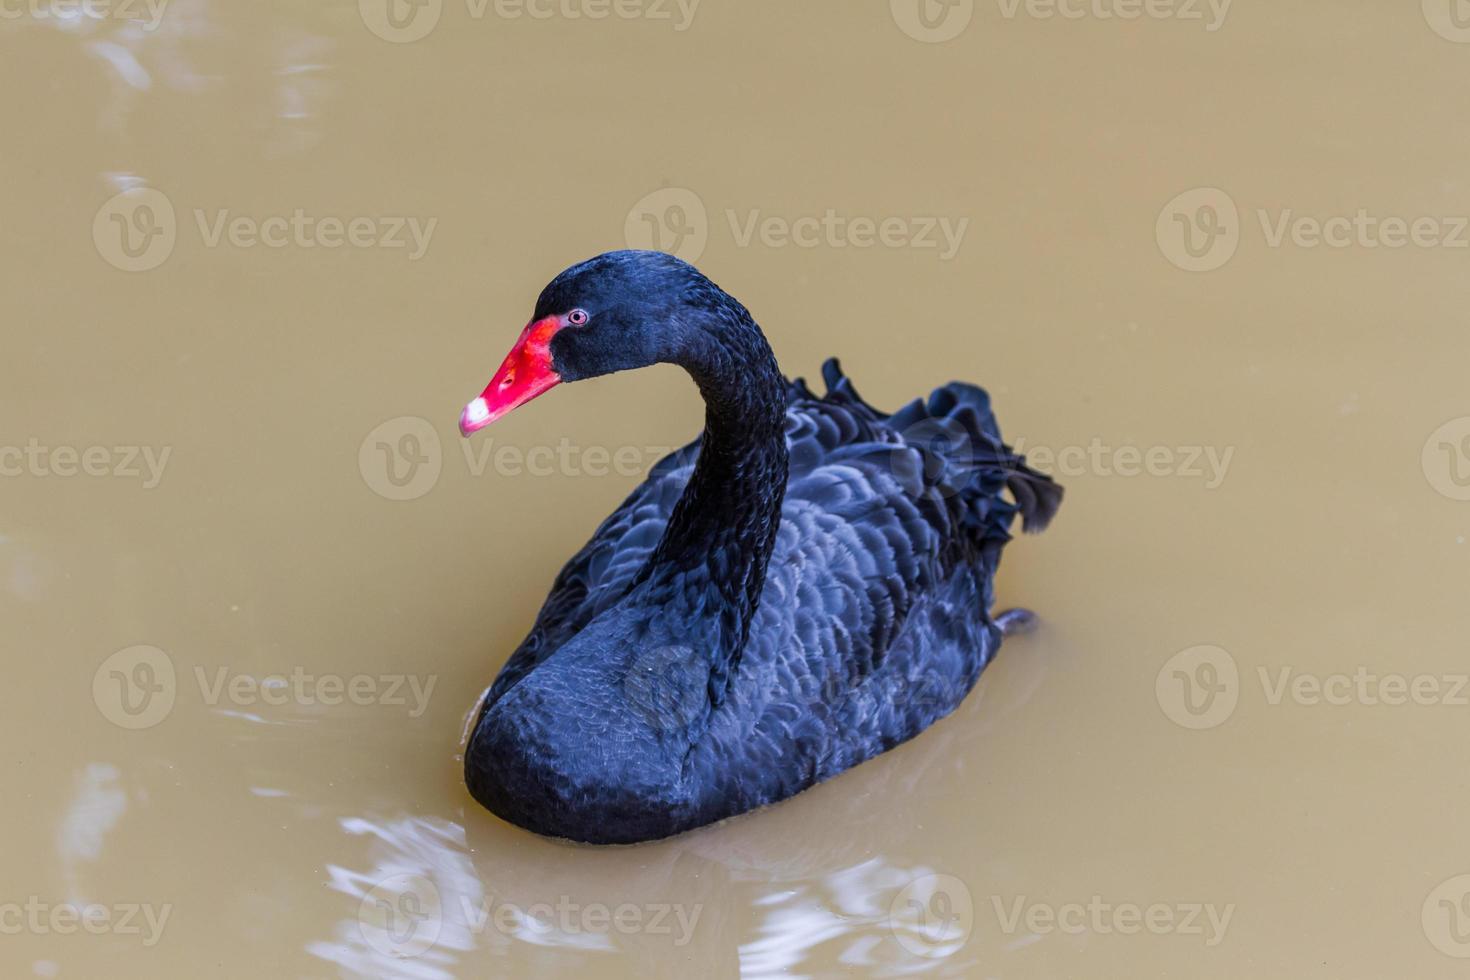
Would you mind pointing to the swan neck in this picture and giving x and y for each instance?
(722, 531)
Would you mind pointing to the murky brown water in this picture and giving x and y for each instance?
(1210, 261)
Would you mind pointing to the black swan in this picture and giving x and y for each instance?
(805, 586)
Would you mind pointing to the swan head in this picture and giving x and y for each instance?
(615, 312)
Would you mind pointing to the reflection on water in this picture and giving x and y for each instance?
(22, 576)
(189, 47)
(419, 902)
(95, 809)
(424, 894)
(848, 917)
(419, 876)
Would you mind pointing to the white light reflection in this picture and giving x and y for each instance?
(848, 911)
(427, 849)
(96, 807)
(180, 47)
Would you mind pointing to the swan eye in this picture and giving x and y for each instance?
(578, 318)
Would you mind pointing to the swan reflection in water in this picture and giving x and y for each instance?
(287, 70)
(433, 896)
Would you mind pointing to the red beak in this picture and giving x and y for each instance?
(525, 374)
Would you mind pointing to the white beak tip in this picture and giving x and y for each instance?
(476, 415)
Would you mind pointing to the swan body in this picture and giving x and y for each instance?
(805, 586)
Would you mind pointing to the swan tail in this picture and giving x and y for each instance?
(956, 430)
